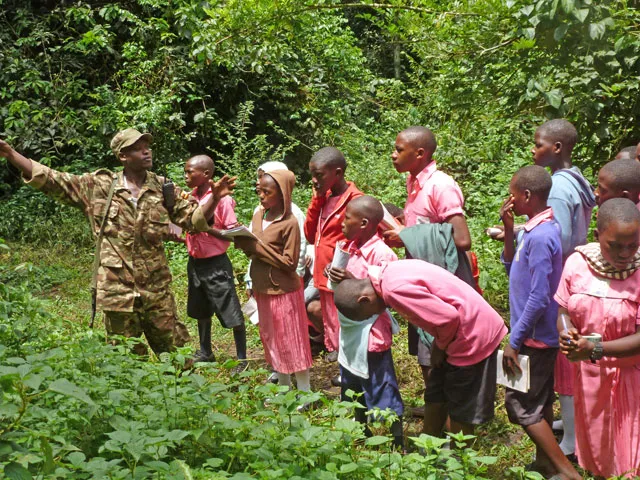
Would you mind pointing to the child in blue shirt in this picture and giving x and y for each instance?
(534, 266)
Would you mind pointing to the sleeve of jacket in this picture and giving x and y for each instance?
(313, 218)
(74, 190)
(188, 215)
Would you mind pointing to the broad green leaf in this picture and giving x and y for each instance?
(377, 440)
(568, 5)
(581, 14)
(76, 458)
(15, 471)
(596, 30)
(560, 32)
(553, 98)
(65, 387)
(349, 467)
(121, 436)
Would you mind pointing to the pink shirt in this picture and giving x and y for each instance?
(600, 305)
(204, 245)
(460, 320)
(373, 252)
(432, 195)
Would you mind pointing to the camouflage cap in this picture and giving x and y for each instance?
(126, 138)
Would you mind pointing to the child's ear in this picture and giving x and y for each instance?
(627, 194)
(364, 222)
(364, 299)
(557, 147)
(527, 195)
(339, 171)
(596, 234)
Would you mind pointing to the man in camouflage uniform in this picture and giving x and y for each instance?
(133, 278)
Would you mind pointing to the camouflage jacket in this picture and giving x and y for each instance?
(132, 259)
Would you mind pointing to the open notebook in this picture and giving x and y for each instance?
(521, 381)
(240, 231)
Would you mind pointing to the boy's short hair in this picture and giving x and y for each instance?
(623, 174)
(627, 153)
(420, 137)
(203, 162)
(560, 130)
(330, 157)
(534, 178)
(621, 210)
(346, 295)
(368, 207)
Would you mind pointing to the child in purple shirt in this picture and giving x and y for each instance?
(534, 266)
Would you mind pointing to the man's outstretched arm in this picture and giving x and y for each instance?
(16, 159)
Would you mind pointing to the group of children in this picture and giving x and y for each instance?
(563, 291)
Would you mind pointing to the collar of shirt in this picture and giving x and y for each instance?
(423, 176)
(544, 216)
(194, 193)
(352, 248)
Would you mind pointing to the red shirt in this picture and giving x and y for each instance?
(326, 233)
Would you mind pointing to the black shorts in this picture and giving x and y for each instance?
(528, 408)
(469, 392)
(213, 291)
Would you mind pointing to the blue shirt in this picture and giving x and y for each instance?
(534, 276)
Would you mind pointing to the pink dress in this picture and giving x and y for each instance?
(283, 331)
(607, 393)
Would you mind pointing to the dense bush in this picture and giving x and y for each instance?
(254, 80)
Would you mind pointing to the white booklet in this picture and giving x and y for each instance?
(388, 221)
(340, 260)
(240, 231)
(521, 381)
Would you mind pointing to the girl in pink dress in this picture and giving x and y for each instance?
(277, 288)
(599, 293)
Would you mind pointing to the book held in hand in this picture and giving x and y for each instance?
(521, 381)
(240, 231)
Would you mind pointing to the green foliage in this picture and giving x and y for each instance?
(72, 405)
(256, 80)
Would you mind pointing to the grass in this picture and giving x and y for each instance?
(61, 273)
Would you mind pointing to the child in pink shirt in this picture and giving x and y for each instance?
(378, 384)
(211, 286)
(599, 293)
(432, 197)
(466, 331)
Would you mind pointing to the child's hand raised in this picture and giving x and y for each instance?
(506, 213)
(223, 187)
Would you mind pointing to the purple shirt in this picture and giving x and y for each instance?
(534, 275)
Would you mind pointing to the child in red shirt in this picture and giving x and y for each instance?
(323, 228)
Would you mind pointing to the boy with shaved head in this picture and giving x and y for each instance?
(211, 285)
(323, 228)
(366, 364)
(466, 330)
(433, 197)
(619, 179)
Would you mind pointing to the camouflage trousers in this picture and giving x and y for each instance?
(154, 314)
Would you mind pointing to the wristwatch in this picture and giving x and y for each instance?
(596, 353)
